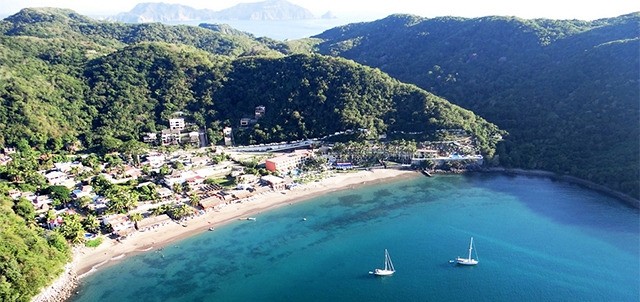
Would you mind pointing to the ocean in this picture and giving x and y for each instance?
(536, 240)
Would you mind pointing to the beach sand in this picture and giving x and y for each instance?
(88, 260)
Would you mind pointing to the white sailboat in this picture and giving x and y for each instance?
(468, 260)
(388, 269)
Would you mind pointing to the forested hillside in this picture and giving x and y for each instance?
(567, 91)
(108, 83)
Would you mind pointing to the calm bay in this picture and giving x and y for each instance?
(536, 239)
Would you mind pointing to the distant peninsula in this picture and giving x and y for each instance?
(269, 10)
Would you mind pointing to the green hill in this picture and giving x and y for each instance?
(566, 90)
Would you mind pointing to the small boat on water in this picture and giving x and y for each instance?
(388, 269)
(425, 172)
(211, 228)
(251, 218)
(468, 260)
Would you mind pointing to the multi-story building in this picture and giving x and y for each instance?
(287, 162)
(176, 123)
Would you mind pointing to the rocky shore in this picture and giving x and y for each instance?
(61, 289)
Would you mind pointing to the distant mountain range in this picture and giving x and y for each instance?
(259, 11)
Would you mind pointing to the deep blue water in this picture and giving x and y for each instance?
(537, 240)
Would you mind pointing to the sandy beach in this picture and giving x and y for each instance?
(88, 260)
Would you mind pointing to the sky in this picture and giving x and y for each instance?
(367, 10)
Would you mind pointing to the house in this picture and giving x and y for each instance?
(240, 194)
(170, 137)
(287, 162)
(8, 150)
(120, 224)
(212, 202)
(54, 223)
(164, 193)
(56, 178)
(425, 153)
(274, 182)
(176, 124)
(244, 122)
(98, 204)
(155, 160)
(227, 133)
(81, 192)
(259, 112)
(4, 159)
(194, 137)
(150, 137)
(66, 167)
(41, 202)
(14, 194)
(132, 172)
(153, 222)
(199, 161)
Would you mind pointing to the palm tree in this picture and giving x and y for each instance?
(91, 224)
(135, 218)
(71, 228)
(194, 200)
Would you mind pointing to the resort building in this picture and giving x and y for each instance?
(153, 222)
(170, 137)
(287, 162)
(274, 182)
(176, 124)
(120, 224)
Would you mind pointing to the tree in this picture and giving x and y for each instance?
(71, 228)
(24, 209)
(194, 200)
(135, 218)
(61, 194)
(91, 224)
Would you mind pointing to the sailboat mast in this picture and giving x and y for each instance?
(386, 259)
(470, 247)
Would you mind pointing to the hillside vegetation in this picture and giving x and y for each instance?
(567, 91)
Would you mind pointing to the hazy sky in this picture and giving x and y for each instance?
(374, 9)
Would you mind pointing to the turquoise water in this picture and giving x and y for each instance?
(537, 240)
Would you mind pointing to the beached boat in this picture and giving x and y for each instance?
(388, 269)
(468, 260)
(211, 228)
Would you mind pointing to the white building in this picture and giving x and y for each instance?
(176, 124)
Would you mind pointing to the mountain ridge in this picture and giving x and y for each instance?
(168, 12)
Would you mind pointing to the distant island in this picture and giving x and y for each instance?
(269, 10)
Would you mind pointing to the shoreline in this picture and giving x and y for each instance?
(624, 199)
(89, 260)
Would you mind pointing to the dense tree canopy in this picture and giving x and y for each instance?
(567, 91)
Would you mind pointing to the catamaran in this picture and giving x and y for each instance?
(388, 269)
(468, 260)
